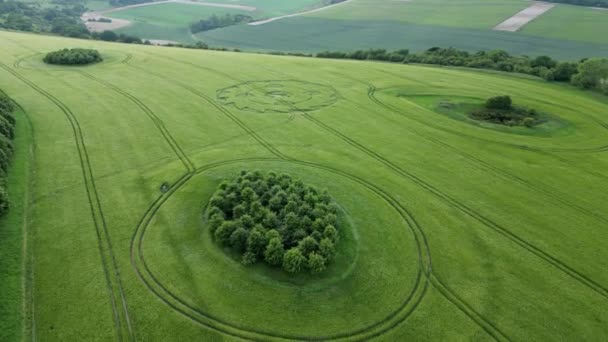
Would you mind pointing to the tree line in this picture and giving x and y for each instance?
(275, 219)
(589, 3)
(588, 73)
(215, 21)
(7, 131)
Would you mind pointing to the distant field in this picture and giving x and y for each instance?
(167, 21)
(459, 230)
(573, 23)
(452, 13)
(308, 34)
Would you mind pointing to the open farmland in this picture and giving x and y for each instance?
(171, 21)
(572, 23)
(456, 230)
(421, 24)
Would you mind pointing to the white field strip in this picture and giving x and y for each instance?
(266, 21)
(519, 20)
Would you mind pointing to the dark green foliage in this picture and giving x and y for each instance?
(7, 128)
(73, 57)
(500, 110)
(542, 66)
(564, 72)
(592, 74)
(294, 261)
(590, 3)
(62, 19)
(499, 102)
(263, 216)
(215, 21)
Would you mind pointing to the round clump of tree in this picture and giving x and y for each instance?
(73, 57)
(275, 219)
(500, 110)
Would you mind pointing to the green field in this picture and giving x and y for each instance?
(456, 231)
(572, 23)
(482, 14)
(567, 32)
(167, 21)
(171, 21)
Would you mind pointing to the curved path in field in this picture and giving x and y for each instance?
(95, 26)
(266, 21)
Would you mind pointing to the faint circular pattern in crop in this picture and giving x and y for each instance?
(278, 96)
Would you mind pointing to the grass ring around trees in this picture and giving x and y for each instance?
(202, 283)
(279, 96)
(35, 61)
(566, 127)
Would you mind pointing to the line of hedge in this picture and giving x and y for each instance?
(7, 131)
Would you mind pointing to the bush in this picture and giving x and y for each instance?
(263, 216)
(73, 57)
(500, 110)
(499, 102)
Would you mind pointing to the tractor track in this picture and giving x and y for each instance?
(581, 278)
(122, 320)
(157, 122)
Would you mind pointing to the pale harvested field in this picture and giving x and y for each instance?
(519, 20)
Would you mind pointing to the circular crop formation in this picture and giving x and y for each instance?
(275, 219)
(73, 57)
(278, 96)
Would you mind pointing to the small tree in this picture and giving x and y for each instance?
(326, 248)
(238, 239)
(293, 260)
(499, 102)
(308, 245)
(316, 262)
(274, 252)
(224, 231)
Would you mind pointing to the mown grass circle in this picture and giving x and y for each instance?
(35, 61)
(283, 96)
(371, 280)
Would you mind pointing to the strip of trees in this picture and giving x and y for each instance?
(275, 219)
(586, 73)
(589, 3)
(7, 131)
(215, 21)
(73, 57)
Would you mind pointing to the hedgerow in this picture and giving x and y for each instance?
(7, 125)
(275, 219)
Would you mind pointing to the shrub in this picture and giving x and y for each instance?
(263, 216)
(293, 260)
(73, 57)
(7, 123)
(499, 102)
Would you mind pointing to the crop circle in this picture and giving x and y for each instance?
(191, 271)
(278, 96)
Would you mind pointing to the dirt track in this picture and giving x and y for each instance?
(266, 21)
